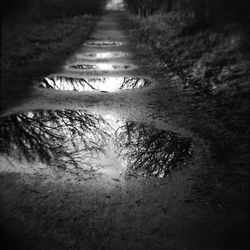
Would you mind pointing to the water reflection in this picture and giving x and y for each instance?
(102, 55)
(83, 66)
(151, 152)
(78, 141)
(63, 139)
(102, 43)
(101, 66)
(109, 84)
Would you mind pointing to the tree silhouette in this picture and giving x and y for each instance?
(205, 11)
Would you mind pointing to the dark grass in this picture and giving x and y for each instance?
(213, 72)
(50, 9)
(37, 37)
(203, 11)
(213, 66)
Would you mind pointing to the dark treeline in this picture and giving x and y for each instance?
(201, 10)
(51, 8)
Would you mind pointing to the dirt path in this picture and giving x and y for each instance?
(44, 210)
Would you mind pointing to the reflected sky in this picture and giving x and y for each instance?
(102, 55)
(101, 66)
(78, 141)
(109, 84)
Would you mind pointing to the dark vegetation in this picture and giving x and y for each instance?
(50, 9)
(37, 36)
(200, 10)
(204, 49)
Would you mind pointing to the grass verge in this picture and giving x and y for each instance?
(31, 49)
(209, 67)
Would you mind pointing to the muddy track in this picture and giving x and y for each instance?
(46, 209)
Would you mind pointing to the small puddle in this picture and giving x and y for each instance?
(102, 55)
(78, 141)
(109, 84)
(101, 67)
(82, 66)
(102, 43)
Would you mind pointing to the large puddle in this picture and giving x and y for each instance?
(81, 142)
(101, 67)
(109, 84)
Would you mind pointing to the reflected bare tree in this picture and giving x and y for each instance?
(83, 66)
(102, 43)
(95, 84)
(66, 83)
(151, 152)
(132, 83)
(58, 138)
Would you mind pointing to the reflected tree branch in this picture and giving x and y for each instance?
(95, 83)
(133, 82)
(151, 152)
(65, 83)
(58, 138)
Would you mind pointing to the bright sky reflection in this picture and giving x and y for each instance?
(109, 84)
(102, 55)
(101, 67)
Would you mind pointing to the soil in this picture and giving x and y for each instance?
(202, 206)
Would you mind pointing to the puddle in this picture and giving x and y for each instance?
(102, 43)
(101, 67)
(81, 142)
(83, 66)
(109, 84)
(102, 55)
(123, 66)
